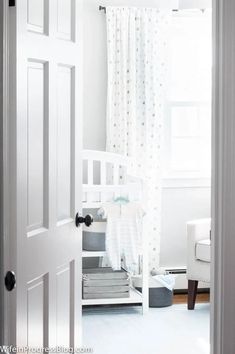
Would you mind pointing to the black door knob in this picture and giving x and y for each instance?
(10, 281)
(87, 220)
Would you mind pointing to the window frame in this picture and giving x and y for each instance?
(169, 174)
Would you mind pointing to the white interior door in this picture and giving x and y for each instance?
(43, 173)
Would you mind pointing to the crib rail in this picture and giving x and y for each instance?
(106, 176)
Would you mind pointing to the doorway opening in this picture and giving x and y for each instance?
(146, 168)
(179, 243)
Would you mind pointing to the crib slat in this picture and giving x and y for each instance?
(90, 179)
(90, 172)
(115, 174)
(103, 180)
(116, 180)
(103, 172)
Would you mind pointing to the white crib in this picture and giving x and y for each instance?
(106, 177)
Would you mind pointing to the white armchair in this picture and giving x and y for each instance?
(198, 256)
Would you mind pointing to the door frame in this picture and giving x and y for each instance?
(5, 195)
(223, 195)
(223, 144)
(1, 166)
(4, 100)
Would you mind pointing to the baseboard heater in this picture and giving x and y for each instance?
(181, 282)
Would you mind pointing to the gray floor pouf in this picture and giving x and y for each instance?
(159, 296)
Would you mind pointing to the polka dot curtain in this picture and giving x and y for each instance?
(137, 47)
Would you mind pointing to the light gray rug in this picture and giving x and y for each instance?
(171, 330)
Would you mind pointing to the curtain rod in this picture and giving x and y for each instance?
(103, 8)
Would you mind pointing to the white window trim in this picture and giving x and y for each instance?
(179, 177)
(182, 182)
(168, 172)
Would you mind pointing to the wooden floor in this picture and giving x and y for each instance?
(182, 298)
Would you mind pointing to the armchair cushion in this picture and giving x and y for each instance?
(198, 231)
(199, 256)
(203, 250)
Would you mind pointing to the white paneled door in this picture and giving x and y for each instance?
(43, 178)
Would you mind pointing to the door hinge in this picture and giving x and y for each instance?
(12, 2)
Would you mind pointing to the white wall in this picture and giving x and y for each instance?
(179, 204)
(95, 76)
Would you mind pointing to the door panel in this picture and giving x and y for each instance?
(37, 301)
(65, 19)
(37, 147)
(65, 146)
(45, 153)
(37, 16)
(63, 306)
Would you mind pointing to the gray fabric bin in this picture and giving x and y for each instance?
(104, 283)
(92, 241)
(159, 297)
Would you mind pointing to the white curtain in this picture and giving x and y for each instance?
(137, 43)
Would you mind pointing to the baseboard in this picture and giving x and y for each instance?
(181, 282)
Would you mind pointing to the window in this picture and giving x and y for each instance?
(188, 107)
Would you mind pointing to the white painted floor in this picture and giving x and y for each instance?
(171, 330)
